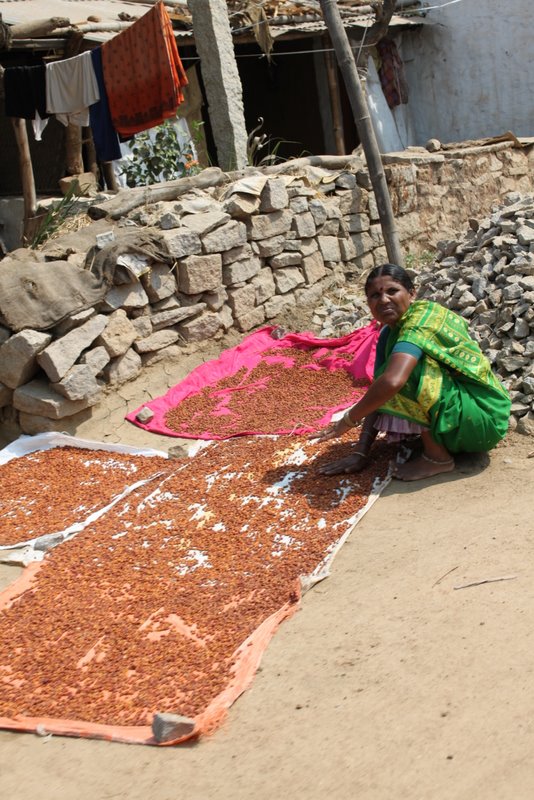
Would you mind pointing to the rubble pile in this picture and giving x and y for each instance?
(342, 311)
(487, 276)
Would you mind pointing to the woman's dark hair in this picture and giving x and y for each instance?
(392, 271)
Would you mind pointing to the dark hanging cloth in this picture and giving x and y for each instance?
(391, 73)
(25, 92)
(104, 134)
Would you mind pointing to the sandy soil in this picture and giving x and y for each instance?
(390, 682)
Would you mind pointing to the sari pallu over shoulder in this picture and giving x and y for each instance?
(452, 390)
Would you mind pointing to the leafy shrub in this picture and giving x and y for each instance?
(158, 154)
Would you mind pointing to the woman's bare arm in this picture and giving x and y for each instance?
(399, 368)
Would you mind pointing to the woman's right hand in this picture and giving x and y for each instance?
(333, 430)
(325, 434)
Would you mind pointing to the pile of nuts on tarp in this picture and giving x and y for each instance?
(487, 276)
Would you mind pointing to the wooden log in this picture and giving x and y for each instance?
(88, 27)
(128, 199)
(349, 161)
(39, 27)
(27, 177)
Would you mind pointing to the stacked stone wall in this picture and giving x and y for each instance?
(239, 256)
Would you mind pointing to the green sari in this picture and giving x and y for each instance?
(452, 390)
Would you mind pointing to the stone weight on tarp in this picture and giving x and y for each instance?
(167, 727)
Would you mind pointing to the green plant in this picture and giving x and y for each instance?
(56, 215)
(418, 260)
(159, 154)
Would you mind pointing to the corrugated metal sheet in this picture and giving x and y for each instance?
(107, 17)
(317, 26)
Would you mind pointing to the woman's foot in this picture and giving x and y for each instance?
(354, 463)
(423, 467)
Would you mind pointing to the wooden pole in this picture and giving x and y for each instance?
(109, 176)
(73, 134)
(73, 150)
(27, 177)
(335, 99)
(90, 151)
(365, 128)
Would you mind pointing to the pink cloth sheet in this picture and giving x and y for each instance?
(360, 345)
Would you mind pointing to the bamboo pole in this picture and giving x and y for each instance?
(365, 128)
(27, 177)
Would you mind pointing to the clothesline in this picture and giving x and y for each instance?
(109, 88)
(196, 59)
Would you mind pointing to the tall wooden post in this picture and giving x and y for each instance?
(27, 178)
(90, 150)
(365, 128)
(73, 136)
(335, 98)
(73, 150)
(109, 176)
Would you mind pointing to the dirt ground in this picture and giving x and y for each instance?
(392, 682)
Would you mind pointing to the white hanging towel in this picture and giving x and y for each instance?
(71, 87)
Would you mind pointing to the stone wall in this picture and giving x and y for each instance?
(239, 256)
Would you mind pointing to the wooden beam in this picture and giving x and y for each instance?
(342, 162)
(39, 27)
(27, 177)
(128, 199)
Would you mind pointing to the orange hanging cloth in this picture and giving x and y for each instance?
(143, 73)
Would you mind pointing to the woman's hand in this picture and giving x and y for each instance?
(353, 463)
(333, 430)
